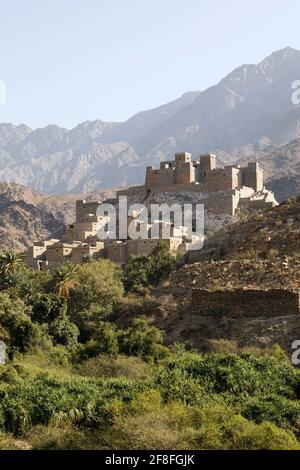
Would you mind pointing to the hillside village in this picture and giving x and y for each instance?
(149, 232)
(245, 274)
(224, 192)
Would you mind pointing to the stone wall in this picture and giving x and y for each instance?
(115, 251)
(252, 176)
(159, 177)
(140, 247)
(221, 179)
(246, 303)
(184, 169)
(59, 252)
(84, 208)
(207, 163)
(79, 231)
(219, 202)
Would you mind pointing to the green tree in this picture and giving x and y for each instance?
(136, 273)
(140, 272)
(64, 279)
(63, 331)
(33, 283)
(10, 262)
(99, 287)
(22, 333)
(143, 340)
(48, 307)
(104, 341)
(162, 263)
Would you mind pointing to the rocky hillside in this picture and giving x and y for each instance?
(262, 251)
(248, 110)
(174, 314)
(273, 233)
(281, 166)
(26, 215)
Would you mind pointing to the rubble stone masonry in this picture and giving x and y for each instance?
(246, 302)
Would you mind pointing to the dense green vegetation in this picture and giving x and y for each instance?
(142, 272)
(75, 380)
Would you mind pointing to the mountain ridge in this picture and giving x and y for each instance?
(247, 111)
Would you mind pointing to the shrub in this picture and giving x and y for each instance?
(120, 366)
(176, 384)
(142, 271)
(229, 431)
(99, 284)
(10, 376)
(63, 331)
(162, 263)
(104, 340)
(43, 399)
(154, 429)
(22, 333)
(236, 375)
(222, 346)
(64, 437)
(47, 307)
(136, 272)
(242, 435)
(142, 340)
(273, 408)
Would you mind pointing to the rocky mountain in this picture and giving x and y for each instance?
(281, 166)
(250, 109)
(93, 155)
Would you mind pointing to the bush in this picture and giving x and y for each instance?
(143, 271)
(43, 399)
(234, 375)
(273, 408)
(120, 366)
(142, 340)
(22, 333)
(47, 307)
(10, 376)
(177, 385)
(233, 432)
(64, 332)
(99, 287)
(64, 437)
(104, 341)
(136, 272)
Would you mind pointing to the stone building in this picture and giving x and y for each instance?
(221, 190)
(204, 174)
(80, 241)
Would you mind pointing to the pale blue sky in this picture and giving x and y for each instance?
(66, 61)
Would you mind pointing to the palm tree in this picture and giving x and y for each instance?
(10, 262)
(65, 278)
(12, 279)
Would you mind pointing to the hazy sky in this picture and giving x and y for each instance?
(66, 61)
